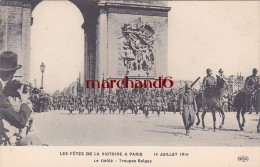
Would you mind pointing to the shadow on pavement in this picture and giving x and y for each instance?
(167, 132)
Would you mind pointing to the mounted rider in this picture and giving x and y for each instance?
(221, 83)
(208, 83)
(252, 84)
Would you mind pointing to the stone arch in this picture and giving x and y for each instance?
(103, 20)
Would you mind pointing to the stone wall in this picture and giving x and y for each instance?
(103, 34)
(109, 61)
(15, 33)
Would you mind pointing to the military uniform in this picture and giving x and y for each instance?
(159, 101)
(90, 103)
(188, 108)
(147, 104)
(104, 102)
(251, 84)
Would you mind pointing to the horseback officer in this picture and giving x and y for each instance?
(221, 82)
(251, 86)
(188, 108)
(159, 102)
(208, 81)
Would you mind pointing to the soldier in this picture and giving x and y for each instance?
(208, 81)
(164, 102)
(159, 102)
(90, 103)
(120, 100)
(71, 104)
(147, 103)
(135, 103)
(251, 86)
(153, 102)
(188, 108)
(175, 102)
(125, 103)
(81, 104)
(221, 82)
(113, 103)
(103, 103)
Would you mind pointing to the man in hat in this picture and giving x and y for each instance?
(221, 82)
(8, 67)
(252, 82)
(209, 80)
(188, 108)
(251, 85)
(208, 83)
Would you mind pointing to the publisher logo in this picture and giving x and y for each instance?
(243, 158)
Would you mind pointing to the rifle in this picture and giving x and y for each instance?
(193, 83)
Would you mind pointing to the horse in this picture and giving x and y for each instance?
(242, 104)
(211, 99)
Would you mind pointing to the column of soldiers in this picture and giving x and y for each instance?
(155, 100)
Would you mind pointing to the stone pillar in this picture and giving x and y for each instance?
(89, 27)
(111, 40)
(15, 18)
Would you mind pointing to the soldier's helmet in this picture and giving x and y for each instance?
(209, 70)
(220, 71)
(255, 70)
(187, 86)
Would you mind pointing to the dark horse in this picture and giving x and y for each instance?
(211, 100)
(243, 102)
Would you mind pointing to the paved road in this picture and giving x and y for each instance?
(58, 128)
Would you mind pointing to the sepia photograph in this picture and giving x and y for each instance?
(145, 74)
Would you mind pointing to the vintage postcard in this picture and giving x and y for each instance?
(129, 83)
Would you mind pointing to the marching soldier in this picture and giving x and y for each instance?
(153, 103)
(159, 102)
(164, 102)
(120, 101)
(90, 102)
(147, 103)
(103, 103)
(135, 103)
(113, 104)
(71, 104)
(125, 103)
(81, 104)
(188, 108)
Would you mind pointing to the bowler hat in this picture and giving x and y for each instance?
(8, 61)
(208, 70)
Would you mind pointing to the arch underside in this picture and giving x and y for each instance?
(86, 7)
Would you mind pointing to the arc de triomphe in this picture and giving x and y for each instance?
(120, 36)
